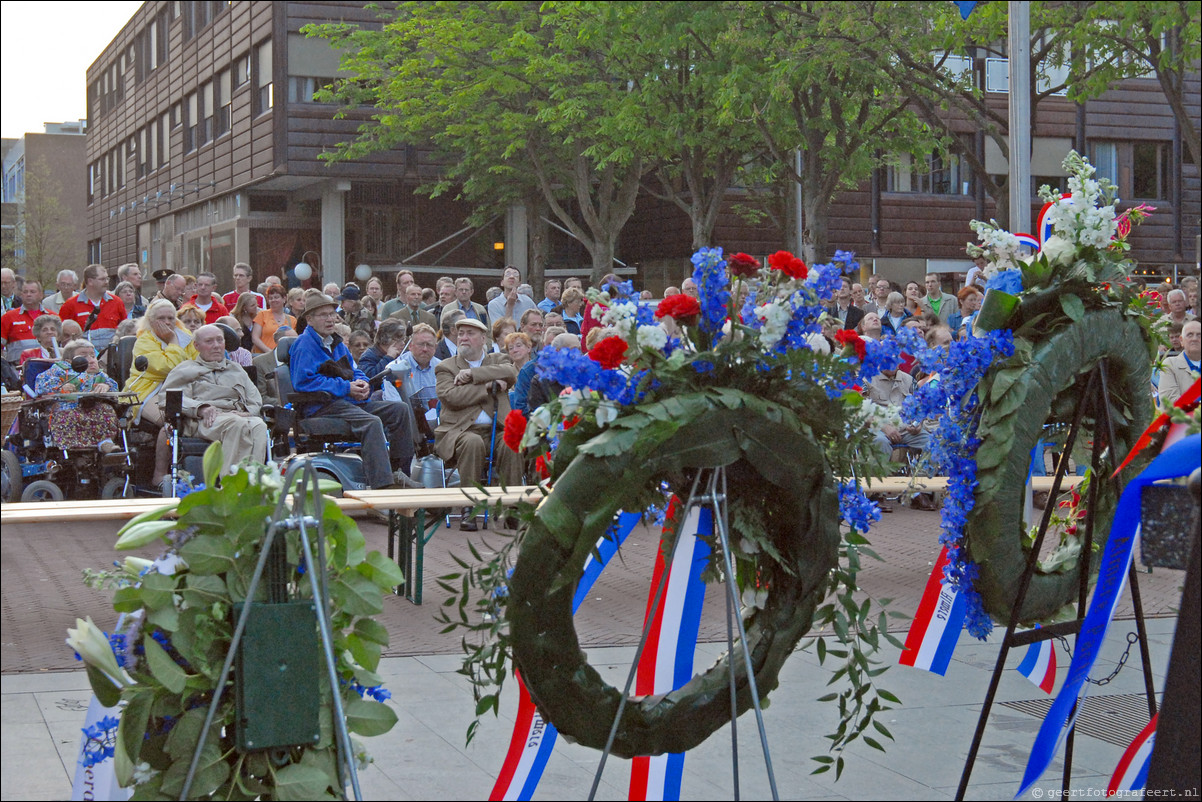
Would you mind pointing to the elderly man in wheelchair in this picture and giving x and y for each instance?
(220, 402)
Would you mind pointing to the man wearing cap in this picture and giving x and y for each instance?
(473, 388)
(320, 362)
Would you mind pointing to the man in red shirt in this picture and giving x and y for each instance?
(16, 326)
(95, 309)
(242, 277)
(206, 301)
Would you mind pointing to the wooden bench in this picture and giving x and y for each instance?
(415, 515)
(104, 510)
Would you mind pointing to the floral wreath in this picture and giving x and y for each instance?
(1047, 320)
(741, 378)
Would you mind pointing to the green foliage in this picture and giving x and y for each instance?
(179, 627)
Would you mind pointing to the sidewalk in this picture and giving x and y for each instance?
(424, 756)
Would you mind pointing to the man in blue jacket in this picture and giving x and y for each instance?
(320, 362)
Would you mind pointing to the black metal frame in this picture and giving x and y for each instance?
(1095, 396)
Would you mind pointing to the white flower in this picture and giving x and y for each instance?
(753, 599)
(143, 773)
(569, 401)
(1059, 250)
(776, 317)
(92, 645)
(652, 337)
(536, 426)
(607, 413)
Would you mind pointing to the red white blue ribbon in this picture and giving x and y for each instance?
(667, 660)
(1039, 665)
(1028, 240)
(1131, 774)
(533, 738)
(937, 624)
(1175, 462)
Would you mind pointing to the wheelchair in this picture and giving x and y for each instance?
(36, 468)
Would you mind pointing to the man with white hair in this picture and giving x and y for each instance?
(1178, 307)
(133, 274)
(220, 402)
(473, 387)
(9, 299)
(1178, 373)
(66, 282)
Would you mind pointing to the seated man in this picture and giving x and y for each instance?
(319, 362)
(889, 389)
(473, 388)
(418, 382)
(220, 401)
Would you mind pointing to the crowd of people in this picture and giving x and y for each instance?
(460, 362)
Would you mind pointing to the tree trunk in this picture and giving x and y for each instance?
(539, 246)
(602, 251)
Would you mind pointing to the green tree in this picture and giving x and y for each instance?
(45, 238)
(517, 103)
(809, 76)
(1162, 38)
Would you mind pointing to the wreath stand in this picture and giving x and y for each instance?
(1095, 398)
(278, 665)
(714, 497)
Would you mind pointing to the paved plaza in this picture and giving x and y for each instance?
(45, 694)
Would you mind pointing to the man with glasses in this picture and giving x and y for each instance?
(320, 362)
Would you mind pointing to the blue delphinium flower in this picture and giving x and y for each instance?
(856, 510)
(713, 283)
(1010, 281)
(101, 741)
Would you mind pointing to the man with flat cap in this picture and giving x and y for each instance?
(320, 362)
(473, 387)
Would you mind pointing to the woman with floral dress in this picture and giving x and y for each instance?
(74, 425)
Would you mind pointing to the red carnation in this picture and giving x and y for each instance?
(542, 467)
(609, 352)
(740, 264)
(788, 264)
(846, 337)
(515, 428)
(684, 309)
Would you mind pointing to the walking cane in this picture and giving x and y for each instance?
(492, 445)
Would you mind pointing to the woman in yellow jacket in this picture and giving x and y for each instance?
(165, 342)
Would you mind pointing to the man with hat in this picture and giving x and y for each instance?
(320, 362)
(473, 387)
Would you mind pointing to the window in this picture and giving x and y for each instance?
(199, 13)
(1105, 158)
(93, 180)
(191, 125)
(301, 89)
(95, 252)
(241, 71)
(1150, 170)
(142, 149)
(222, 101)
(936, 174)
(164, 141)
(208, 126)
(264, 70)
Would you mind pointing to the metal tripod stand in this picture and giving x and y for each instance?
(708, 491)
(301, 513)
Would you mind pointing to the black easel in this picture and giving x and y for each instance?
(1095, 397)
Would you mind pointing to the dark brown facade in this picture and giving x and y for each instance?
(204, 149)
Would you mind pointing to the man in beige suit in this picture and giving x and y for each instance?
(412, 313)
(1178, 373)
(937, 302)
(473, 388)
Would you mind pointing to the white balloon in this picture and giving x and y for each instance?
(303, 271)
(363, 272)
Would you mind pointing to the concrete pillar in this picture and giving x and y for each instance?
(517, 239)
(333, 231)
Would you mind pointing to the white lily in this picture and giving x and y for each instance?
(92, 645)
(569, 401)
(607, 413)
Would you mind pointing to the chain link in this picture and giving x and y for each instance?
(1132, 639)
